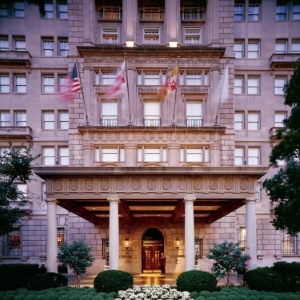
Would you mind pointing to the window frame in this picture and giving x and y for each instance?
(62, 121)
(3, 85)
(282, 115)
(7, 243)
(47, 10)
(61, 12)
(252, 77)
(102, 151)
(154, 36)
(280, 42)
(144, 154)
(239, 156)
(278, 89)
(254, 52)
(18, 114)
(49, 156)
(295, 42)
(46, 86)
(253, 13)
(241, 79)
(4, 40)
(252, 157)
(187, 154)
(296, 12)
(63, 50)
(63, 158)
(18, 85)
(239, 51)
(194, 114)
(3, 10)
(279, 13)
(4, 122)
(291, 243)
(240, 121)
(253, 124)
(18, 10)
(110, 35)
(18, 39)
(48, 124)
(190, 33)
(152, 119)
(239, 13)
(109, 113)
(46, 49)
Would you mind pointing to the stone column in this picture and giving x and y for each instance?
(251, 238)
(51, 236)
(173, 154)
(130, 155)
(189, 200)
(113, 232)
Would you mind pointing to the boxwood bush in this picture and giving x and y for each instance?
(113, 281)
(47, 281)
(196, 281)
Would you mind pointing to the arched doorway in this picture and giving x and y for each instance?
(152, 247)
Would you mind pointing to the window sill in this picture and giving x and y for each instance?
(20, 93)
(11, 257)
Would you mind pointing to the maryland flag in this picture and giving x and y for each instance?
(170, 85)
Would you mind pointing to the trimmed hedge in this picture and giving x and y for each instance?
(47, 281)
(113, 281)
(196, 281)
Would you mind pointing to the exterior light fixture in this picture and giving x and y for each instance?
(129, 43)
(177, 243)
(126, 244)
(173, 44)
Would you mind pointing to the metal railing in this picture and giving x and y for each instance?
(152, 122)
(290, 246)
(194, 122)
(108, 122)
(113, 14)
(192, 14)
(151, 15)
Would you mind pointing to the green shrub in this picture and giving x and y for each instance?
(113, 281)
(14, 276)
(289, 273)
(196, 281)
(47, 281)
(264, 279)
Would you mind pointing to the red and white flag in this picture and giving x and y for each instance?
(119, 85)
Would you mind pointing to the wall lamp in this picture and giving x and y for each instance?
(126, 244)
(177, 243)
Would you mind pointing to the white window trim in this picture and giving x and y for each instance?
(153, 36)
(48, 123)
(102, 151)
(143, 156)
(186, 153)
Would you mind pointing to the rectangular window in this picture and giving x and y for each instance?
(155, 154)
(62, 10)
(239, 120)
(253, 85)
(239, 156)
(48, 120)
(20, 118)
(194, 113)
(253, 120)
(20, 84)
(279, 117)
(238, 85)
(19, 9)
(152, 155)
(296, 11)
(4, 45)
(64, 156)
(60, 237)
(239, 12)
(193, 78)
(242, 237)
(4, 118)
(48, 6)
(4, 83)
(253, 156)
(279, 85)
(108, 78)
(48, 47)
(48, 84)
(20, 44)
(110, 154)
(289, 244)
(192, 35)
(295, 46)
(253, 49)
(3, 10)
(152, 114)
(151, 78)
(12, 243)
(194, 154)
(49, 156)
(109, 114)
(63, 119)
(151, 35)
(110, 35)
(280, 47)
(281, 11)
(254, 12)
(238, 49)
(63, 47)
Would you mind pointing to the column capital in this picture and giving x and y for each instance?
(189, 198)
(113, 198)
(250, 200)
(51, 201)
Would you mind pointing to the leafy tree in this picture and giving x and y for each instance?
(15, 166)
(77, 256)
(228, 257)
(284, 187)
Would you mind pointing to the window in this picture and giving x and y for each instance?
(280, 46)
(152, 114)
(254, 12)
(64, 156)
(48, 120)
(296, 11)
(20, 44)
(20, 84)
(48, 84)
(12, 243)
(193, 78)
(242, 237)
(155, 154)
(116, 154)
(239, 12)
(4, 45)
(289, 244)
(48, 47)
(63, 47)
(192, 35)
(151, 78)
(151, 35)
(239, 158)
(20, 118)
(279, 117)
(48, 156)
(194, 113)
(63, 119)
(4, 84)
(48, 6)
(108, 78)
(4, 118)
(253, 156)
(253, 120)
(194, 154)
(239, 120)
(253, 85)
(110, 35)
(253, 49)
(18, 9)
(238, 85)
(62, 10)
(3, 10)
(279, 85)
(22, 187)
(295, 46)
(60, 237)
(238, 49)
(109, 114)
(281, 11)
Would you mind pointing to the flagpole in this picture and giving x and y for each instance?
(173, 121)
(130, 122)
(86, 117)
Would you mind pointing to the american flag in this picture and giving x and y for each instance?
(118, 85)
(71, 86)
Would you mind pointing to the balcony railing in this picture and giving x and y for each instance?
(192, 14)
(194, 122)
(152, 122)
(153, 16)
(109, 122)
(110, 15)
